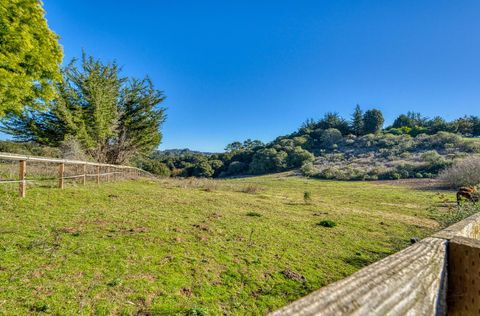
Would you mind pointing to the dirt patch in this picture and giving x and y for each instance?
(203, 227)
(292, 275)
(417, 184)
(186, 292)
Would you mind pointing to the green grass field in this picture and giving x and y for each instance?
(197, 247)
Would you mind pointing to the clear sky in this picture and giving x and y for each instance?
(257, 69)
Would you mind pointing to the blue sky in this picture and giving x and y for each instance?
(257, 69)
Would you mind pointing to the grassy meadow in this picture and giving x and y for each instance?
(198, 247)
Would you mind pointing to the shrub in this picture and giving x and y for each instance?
(330, 137)
(308, 169)
(156, 167)
(327, 223)
(250, 188)
(307, 197)
(298, 157)
(462, 172)
(72, 149)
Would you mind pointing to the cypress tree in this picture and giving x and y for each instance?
(357, 121)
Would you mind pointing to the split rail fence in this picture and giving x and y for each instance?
(22, 170)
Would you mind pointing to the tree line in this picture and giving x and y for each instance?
(299, 149)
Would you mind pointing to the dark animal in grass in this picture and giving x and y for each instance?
(467, 193)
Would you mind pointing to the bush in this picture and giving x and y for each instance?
(72, 149)
(298, 157)
(327, 223)
(156, 167)
(330, 137)
(307, 197)
(462, 173)
(308, 169)
(250, 188)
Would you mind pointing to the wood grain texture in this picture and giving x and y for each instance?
(469, 227)
(410, 282)
(464, 276)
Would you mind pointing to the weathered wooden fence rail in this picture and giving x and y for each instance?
(106, 172)
(439, 275)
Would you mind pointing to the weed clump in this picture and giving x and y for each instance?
(254, 214)
(250, 188)
(307, 197)
(327, 223)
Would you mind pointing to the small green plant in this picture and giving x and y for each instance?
(254, 214)
(327, 223)
(197, 311)
(307, 197)
(114, 282)
(455, 214)
(39, 307)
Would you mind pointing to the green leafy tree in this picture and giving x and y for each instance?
(203, 170)
(268, 160)
(476, 125)
(373, 121)
(29, 56)
(357, 121)
(298, 156)
(402, 121)
(237, 167)
(437, 124)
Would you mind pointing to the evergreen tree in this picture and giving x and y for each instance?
(137, 130)
(357, 121)
(373, 121)
(334, 120)
(29, 56)
(112, 118)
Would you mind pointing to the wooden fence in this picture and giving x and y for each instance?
(82, 171)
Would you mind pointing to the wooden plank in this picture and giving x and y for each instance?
(61, 174)
(463, 276)
(410, 282)
(469, 227)
(22, 169)
(15, 157)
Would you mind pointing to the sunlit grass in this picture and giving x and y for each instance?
(243, 246)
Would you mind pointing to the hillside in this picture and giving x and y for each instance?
(388, 156)
(334, 148)
(197, 247)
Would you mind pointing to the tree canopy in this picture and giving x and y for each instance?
(29, 56)
(112, 117)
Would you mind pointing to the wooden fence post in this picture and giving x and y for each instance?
(61, 174)
(98, 174)
(84, 180)
(22, 168)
